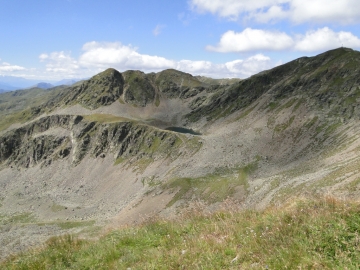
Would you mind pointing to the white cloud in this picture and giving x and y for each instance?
(342, 11)
(158, 29)
(298, 11)
(105, 54)
(250, 66)
(240, 68)
(59, 62)
(252, 40)
(122, 57)
(232, 8)
(98, 56)
(204, 68)
(255, 40)
(6, 67)
(324, 39)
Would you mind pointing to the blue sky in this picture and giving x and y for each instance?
(60, 39)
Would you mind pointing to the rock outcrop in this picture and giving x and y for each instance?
(139, 90)
(175, 84)
(133, 87)
(35, 143)
(101, 90)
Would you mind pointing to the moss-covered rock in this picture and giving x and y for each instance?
(176, 84)
(26, 146)
(31, 145)
(102, 89)
(139, 90)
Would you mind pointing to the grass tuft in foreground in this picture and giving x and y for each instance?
(322, 234)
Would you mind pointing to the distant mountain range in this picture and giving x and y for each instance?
(6, 87)
(10, 83)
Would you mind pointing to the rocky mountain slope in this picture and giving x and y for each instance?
(122, 147)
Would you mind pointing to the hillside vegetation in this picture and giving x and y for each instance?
(22, 105)
(306, 234)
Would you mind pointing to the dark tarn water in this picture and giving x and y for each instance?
(183, 130)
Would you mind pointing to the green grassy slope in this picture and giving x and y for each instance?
(22, 105)
(329, 82)
(308, 234)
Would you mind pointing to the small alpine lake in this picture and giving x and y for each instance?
(183, 130)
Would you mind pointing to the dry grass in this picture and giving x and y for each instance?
(311, 234)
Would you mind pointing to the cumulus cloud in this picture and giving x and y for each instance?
(59, 62)
(250, 66)
(255, 40)
(6, 67)
(117, 55)
(342, 11)
(324, 39)
(232, 8)
(240, 68)
(122, 57)
(98, 56)
(298, 11)
(252, 40)
(203, 68)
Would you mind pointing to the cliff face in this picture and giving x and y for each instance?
(133, 87)
(123, 140)
(139, 89)
(101, 90)
(60, 136)
(26, 146)
(176, 84)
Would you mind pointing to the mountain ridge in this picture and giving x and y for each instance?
(11, 83)
(112, 147)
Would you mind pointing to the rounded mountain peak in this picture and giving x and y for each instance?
(108, 74)
(100, 90)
